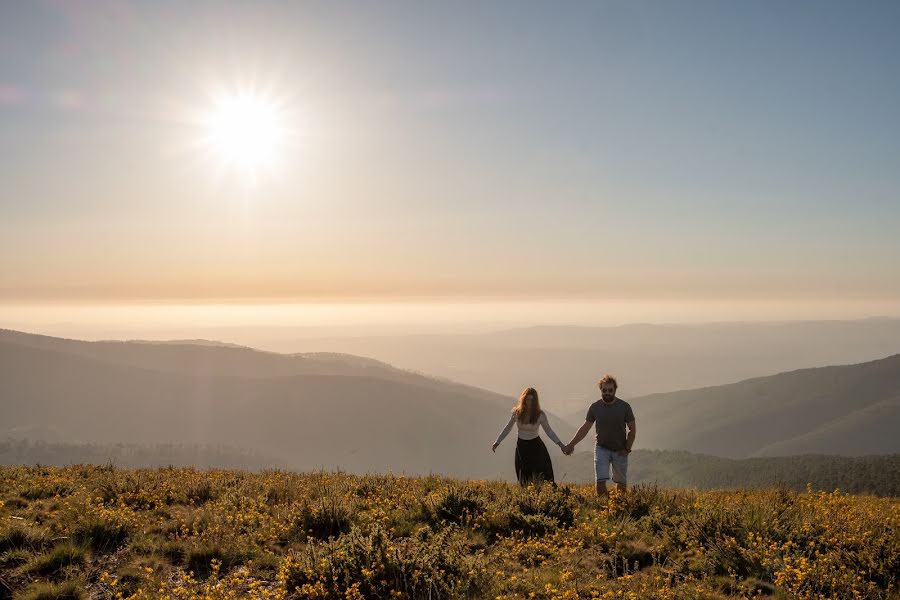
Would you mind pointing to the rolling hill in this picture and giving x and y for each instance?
(307, 411)
(848, 410)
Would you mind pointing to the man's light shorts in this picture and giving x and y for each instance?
(609, 460)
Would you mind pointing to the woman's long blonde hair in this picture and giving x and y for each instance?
(528, 413)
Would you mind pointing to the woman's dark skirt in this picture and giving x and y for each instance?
(533, 461)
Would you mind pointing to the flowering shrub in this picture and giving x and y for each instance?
(106, 533)
(373, 565)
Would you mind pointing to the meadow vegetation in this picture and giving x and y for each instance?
(179, 533)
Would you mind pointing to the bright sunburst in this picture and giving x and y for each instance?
(247, 132)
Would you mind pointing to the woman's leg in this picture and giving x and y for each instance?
(546, 464)
(519, 465)
(529, 456)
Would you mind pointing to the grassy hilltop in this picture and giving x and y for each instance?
(101, 532)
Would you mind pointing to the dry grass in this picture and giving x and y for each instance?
(181, 533)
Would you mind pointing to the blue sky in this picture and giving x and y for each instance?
(467, 150)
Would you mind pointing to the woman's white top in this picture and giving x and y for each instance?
(528, 431)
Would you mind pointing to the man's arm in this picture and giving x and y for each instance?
(579, 435)
(629, 441)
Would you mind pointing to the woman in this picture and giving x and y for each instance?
(532, 459)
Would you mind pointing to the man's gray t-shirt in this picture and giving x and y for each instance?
(609, 421)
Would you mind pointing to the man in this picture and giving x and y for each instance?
(610, 416)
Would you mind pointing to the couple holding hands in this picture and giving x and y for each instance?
(609, 415)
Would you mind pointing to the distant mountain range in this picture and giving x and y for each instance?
(564, 362)
(306, 410)
(320, 410)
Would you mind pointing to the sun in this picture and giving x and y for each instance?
(246, 132)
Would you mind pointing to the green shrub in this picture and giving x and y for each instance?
(130, 579)
(531, 525)
(457, 505)
(12, 558)
(61, 557)
(643, 500)
(199, 560)
(281, 492)
(36, 492)
(174, 552)
(325, 518)
(69, 590)
(100, 535)
(553, 503)
(723, 532)
(201, 492)
(21, 538)
(15, 502)
(428, 565)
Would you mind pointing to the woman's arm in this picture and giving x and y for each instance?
(546, 425)
(506, 430)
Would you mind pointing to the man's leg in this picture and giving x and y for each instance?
(601, 469)
(619, 471)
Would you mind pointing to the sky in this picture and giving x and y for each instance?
(505, 153)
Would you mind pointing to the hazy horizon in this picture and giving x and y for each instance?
(249, 323)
